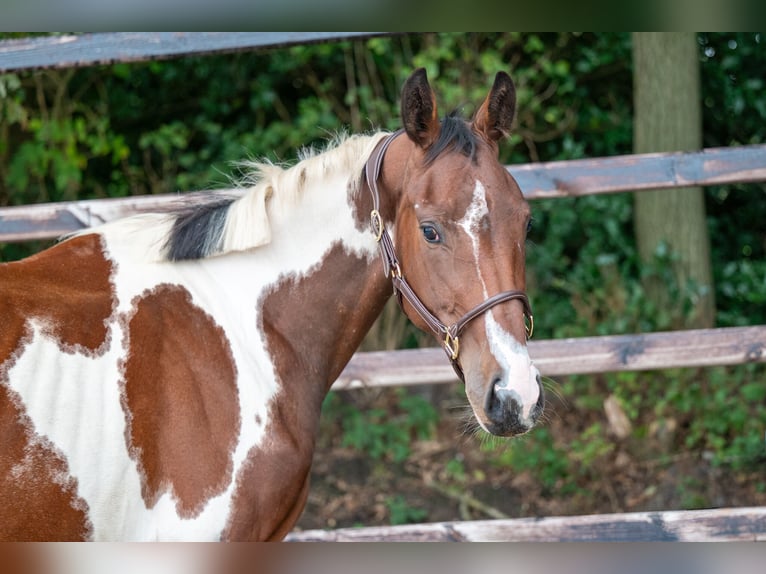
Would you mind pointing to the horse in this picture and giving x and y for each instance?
(162, 375)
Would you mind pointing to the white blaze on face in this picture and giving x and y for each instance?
(519, 374)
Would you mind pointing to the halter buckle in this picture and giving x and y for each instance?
(376, 221)
(452, 346)
(529, 325)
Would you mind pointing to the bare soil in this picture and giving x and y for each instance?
(451, 477)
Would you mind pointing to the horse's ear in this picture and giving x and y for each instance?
(495, 115)
(419, 116)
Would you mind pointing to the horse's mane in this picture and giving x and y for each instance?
(455, 134)
(207, 224)
(213, 225)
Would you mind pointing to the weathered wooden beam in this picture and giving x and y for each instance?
(69, 51)
(721, 524)
(574, 178)
(538, 180)
(52, 220)
(582, 355)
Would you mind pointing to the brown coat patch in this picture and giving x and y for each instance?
(67, 289)
(180, 400)
(312, 327)
(272, 487)
(39, 497)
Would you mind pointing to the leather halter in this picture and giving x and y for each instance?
(402, 289)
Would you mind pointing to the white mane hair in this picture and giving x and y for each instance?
(272, 187)
(203, 225)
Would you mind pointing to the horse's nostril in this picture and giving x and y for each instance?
(505, 409)
(500, 401)
(491, 400)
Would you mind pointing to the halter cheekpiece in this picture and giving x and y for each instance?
(402, 289)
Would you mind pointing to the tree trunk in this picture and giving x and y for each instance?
(668, 118)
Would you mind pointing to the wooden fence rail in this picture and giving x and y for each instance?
(574, 178)
(582, 355)
(73, 51)
(721, 524)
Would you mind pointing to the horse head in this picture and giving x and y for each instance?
(460, 225)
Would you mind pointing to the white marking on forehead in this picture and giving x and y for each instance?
(471, 221)
(476, 211)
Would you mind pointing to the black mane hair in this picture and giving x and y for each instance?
(455, 134)
(198, 229)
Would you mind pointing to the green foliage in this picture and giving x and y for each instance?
(727, 419)
(455, 469)
(384, 433)
(538, 454)
(734, 114)
(48, 146)
(401, 512)
(723, 413)
(717, 415)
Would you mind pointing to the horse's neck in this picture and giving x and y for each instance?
(316, 315)
(313, 324)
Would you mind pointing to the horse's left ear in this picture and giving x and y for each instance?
(495, 115)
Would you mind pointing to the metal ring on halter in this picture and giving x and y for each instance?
(531, 327)
(452, 345)
(377, 224)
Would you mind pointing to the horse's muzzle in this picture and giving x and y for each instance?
(506, 413)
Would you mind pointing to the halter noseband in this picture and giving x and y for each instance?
(402, 288)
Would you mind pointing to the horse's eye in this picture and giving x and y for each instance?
(430, 234)
(529, 225)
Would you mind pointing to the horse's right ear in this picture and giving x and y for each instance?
(419, 116)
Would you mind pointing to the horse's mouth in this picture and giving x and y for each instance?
(506, 416)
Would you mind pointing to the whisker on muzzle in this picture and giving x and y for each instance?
(466, 419)
(552, 408)
(552, 386)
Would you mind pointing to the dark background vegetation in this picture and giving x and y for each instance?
(695, 437)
